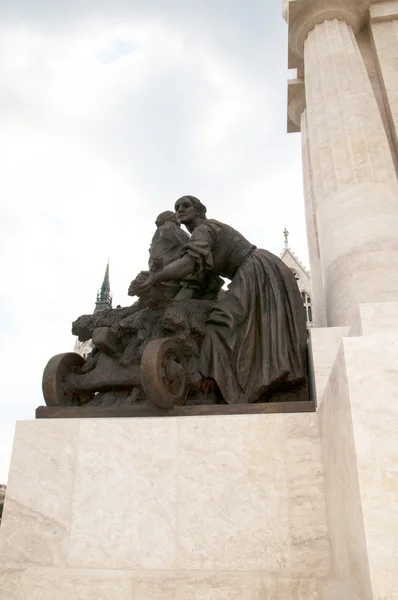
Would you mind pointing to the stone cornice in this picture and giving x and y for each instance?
(295, 104)
(285, 10)
(304, 15)
(384, 11)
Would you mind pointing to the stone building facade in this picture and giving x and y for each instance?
(343, 98)
(302, 276)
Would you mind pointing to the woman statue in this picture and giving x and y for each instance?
(255, 341)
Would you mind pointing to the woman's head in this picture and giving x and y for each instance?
(189, 208)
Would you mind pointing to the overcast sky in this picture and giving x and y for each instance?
(111, 110)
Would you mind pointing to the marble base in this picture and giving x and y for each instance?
(219, 506)
(72, 584)
(211, 507)
(324, 345)
(358, 418)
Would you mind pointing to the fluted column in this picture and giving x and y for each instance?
(384, 29)
(318, 292)
(353, 174)
(297, 121)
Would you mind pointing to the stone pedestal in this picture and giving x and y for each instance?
(214, 507)
(358, 417)
(346, 107)
(220, 506)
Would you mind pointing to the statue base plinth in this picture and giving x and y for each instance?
(84, 412)
(199, 507)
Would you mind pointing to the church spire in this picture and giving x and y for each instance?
(286, 236)
(104, 296)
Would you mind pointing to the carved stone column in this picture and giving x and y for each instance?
(353, 174)
(318, 292)
(297, 121)
(384, 29)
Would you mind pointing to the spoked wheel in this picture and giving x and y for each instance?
(163, 374)
(54, 384)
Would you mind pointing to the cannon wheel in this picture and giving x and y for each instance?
(55, 376)
(163, 374)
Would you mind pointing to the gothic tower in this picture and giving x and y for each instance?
(301, 275)
(103, 302)
(104, 296)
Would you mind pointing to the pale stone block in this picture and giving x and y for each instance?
(375, 318)
(324, 345)
(209, 586)
(309, 536)
(89, 584)
(331, 589)
(383, 11)
(69, 584)
(206, 586)
(156, 586)
(222, 472)
(265, 586)
(9, 582)
(297, 589)
(375, 425)
(35, 524)
(303, 452)
(343, 503)
(191, 507)
(217, 588)
(47, 584)
(359, 420)
(124, 508)
(310, 540)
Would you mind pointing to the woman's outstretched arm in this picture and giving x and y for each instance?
(179, 269)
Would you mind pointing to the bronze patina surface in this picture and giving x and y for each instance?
(186, 342)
